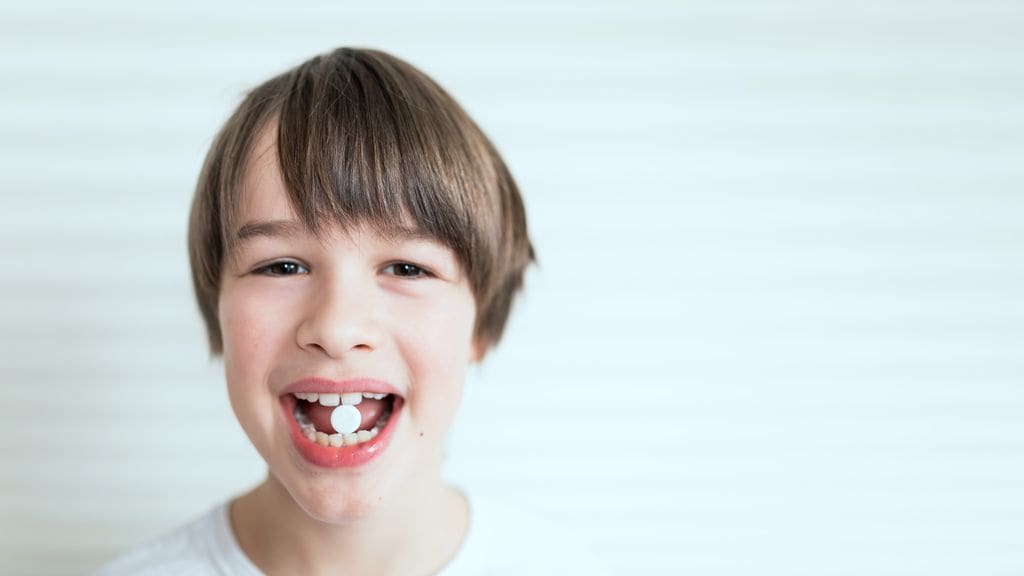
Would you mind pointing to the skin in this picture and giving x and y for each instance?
(347, 305)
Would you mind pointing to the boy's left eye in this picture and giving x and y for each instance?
(406, 270)
(282, 269)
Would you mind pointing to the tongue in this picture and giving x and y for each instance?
(369, 409)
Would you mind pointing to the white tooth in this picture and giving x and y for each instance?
(335, 440)
(351, 399)
(312, 396)
(364, 435)
(311, 435)
(380, 396)
(321, 438)
(373, 432)
(351, 439)
(300, 395)
(330, 399)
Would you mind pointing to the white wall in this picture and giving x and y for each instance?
(778, 325)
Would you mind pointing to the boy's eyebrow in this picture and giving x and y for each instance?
(268, 228)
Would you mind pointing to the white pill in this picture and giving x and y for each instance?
(346, 419)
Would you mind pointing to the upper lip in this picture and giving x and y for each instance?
(326, 385)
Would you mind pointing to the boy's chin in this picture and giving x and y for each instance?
(339, 505)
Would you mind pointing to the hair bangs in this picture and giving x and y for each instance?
(358, 146)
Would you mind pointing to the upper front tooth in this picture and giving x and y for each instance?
(329, 399)
(351, 399)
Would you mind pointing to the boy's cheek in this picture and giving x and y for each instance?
(247, 314)
(447, 329)
(249, 339)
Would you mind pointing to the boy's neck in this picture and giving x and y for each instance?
(416, 536)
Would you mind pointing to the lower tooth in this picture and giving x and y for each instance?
(339, 440)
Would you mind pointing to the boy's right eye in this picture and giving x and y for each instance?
(282, 269)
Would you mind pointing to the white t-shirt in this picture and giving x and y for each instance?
(500, 541)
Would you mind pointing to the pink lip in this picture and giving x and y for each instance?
(319, 385)
(342, 456)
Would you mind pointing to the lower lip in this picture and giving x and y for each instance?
(342, 456)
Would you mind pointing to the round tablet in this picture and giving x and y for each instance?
(346, 419)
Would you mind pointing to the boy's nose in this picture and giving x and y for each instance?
(341, 317)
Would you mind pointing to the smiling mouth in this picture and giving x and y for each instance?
(315, 415)
(371, 413)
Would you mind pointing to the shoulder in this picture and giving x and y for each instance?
(505, 539)
(203, 547)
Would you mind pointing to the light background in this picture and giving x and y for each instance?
(778, 324)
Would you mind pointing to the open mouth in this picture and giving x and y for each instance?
(337, 420)
(333, 429)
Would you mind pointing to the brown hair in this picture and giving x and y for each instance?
(364, 137)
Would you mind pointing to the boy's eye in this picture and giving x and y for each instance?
(406, 270)
(282, 269)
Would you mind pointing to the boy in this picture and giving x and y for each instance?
(356, 242)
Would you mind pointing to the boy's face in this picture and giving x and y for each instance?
(352, 313)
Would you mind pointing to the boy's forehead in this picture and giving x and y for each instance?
(264, 208)
(262, 193)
